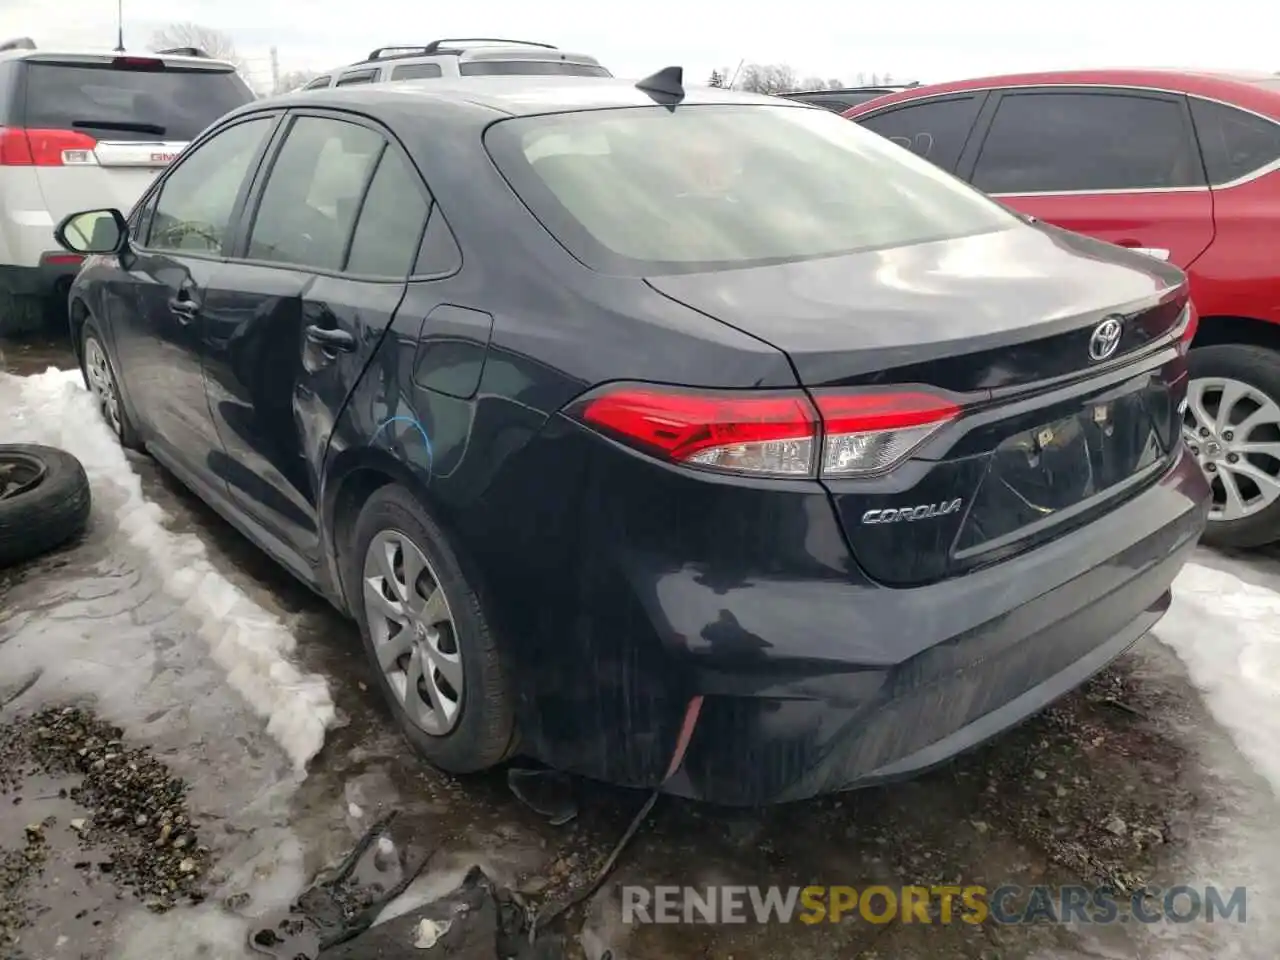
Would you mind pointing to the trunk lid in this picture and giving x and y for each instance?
(1051, 435)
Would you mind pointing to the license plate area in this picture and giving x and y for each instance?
(1056, 465)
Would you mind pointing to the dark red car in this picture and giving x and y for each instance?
(1182, 165)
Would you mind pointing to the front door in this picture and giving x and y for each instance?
(174, 266)
(321, 270)
(1120, 165)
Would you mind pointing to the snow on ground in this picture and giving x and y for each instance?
(249, 643)
(1227, 632)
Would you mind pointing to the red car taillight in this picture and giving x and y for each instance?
(780, 434)
(46, 148)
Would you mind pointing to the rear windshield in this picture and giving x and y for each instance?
(111, 103)
(541, 68)
(650, 190)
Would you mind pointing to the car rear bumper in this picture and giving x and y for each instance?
(946, 666)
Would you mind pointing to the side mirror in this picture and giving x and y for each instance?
(93, 231)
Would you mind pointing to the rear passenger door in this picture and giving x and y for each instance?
(1117, 164)
(329, 238)
(937, 128)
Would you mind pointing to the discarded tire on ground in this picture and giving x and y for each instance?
(44, 500)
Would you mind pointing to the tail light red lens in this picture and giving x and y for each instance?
(779, 434)
(46, 148)
(771, 434)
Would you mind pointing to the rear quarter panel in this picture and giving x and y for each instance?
(1239, 275)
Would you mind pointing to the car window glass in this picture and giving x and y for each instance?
(1234, 143)
(560, 68)
(199, 195)
(936, 130)
(391, 221)
(317, 83)
(416, 71)
(439, 254)
(364, 76)
(1056, 142)
(139, 103)
(648, 190)
(313, 192)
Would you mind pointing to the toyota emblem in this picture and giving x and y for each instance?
(1105, 338)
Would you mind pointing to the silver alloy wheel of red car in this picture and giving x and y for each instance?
(413, 632)
(1233, 429)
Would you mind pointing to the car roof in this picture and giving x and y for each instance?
(514, 95)
(1252, 90)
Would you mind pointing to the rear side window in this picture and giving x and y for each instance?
(1081, 142)
(391, 221)
(309, 204)
(115, 103)
(416, 71)
(359, 76)
(651, 190)
(1234, 143)
(543, 68)
(936, 130)
(317, 83)
(196, 200)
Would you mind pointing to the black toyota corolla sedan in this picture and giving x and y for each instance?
(677, 438)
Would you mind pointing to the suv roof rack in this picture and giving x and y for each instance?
(443, 46)
(183, 52)
(18, 43)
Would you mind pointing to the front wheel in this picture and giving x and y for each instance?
(427, 638)
(1231, 422)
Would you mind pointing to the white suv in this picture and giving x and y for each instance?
(86, 130)
(462, 58)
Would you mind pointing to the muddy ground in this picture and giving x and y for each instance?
(1127, 782)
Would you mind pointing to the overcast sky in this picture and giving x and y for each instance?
(929, 40)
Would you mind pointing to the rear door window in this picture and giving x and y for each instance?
(1234, 143)
(356, 76)
(113, 102)
(936, 129)
(560, 68)
(1049, 142)
(313, 193)
(317, 83)
(391, 222)
(416, 71)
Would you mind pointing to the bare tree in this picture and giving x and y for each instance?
(835, 83)
(717, 79)
(213, 42)
(294, 80)
(770, 78)
(812, 83)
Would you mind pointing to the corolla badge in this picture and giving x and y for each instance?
(926, 511)
(1105, 338)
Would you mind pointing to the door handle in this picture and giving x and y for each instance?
(331, 340)
(184, 308)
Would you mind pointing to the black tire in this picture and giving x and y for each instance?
(485, 733)
(126, 433)
(1260, 368)
(52, 511)
(21, 315)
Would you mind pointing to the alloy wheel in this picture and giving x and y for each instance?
(413, 631)
(1233, 429)
(102, 384)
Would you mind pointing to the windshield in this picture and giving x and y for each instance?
(114, 103)
(651, 190)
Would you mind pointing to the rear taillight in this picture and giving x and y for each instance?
(46, 148)
(779, 434)
(871, 433)
(1188, 324)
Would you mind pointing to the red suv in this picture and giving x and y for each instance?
(1182, 165)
